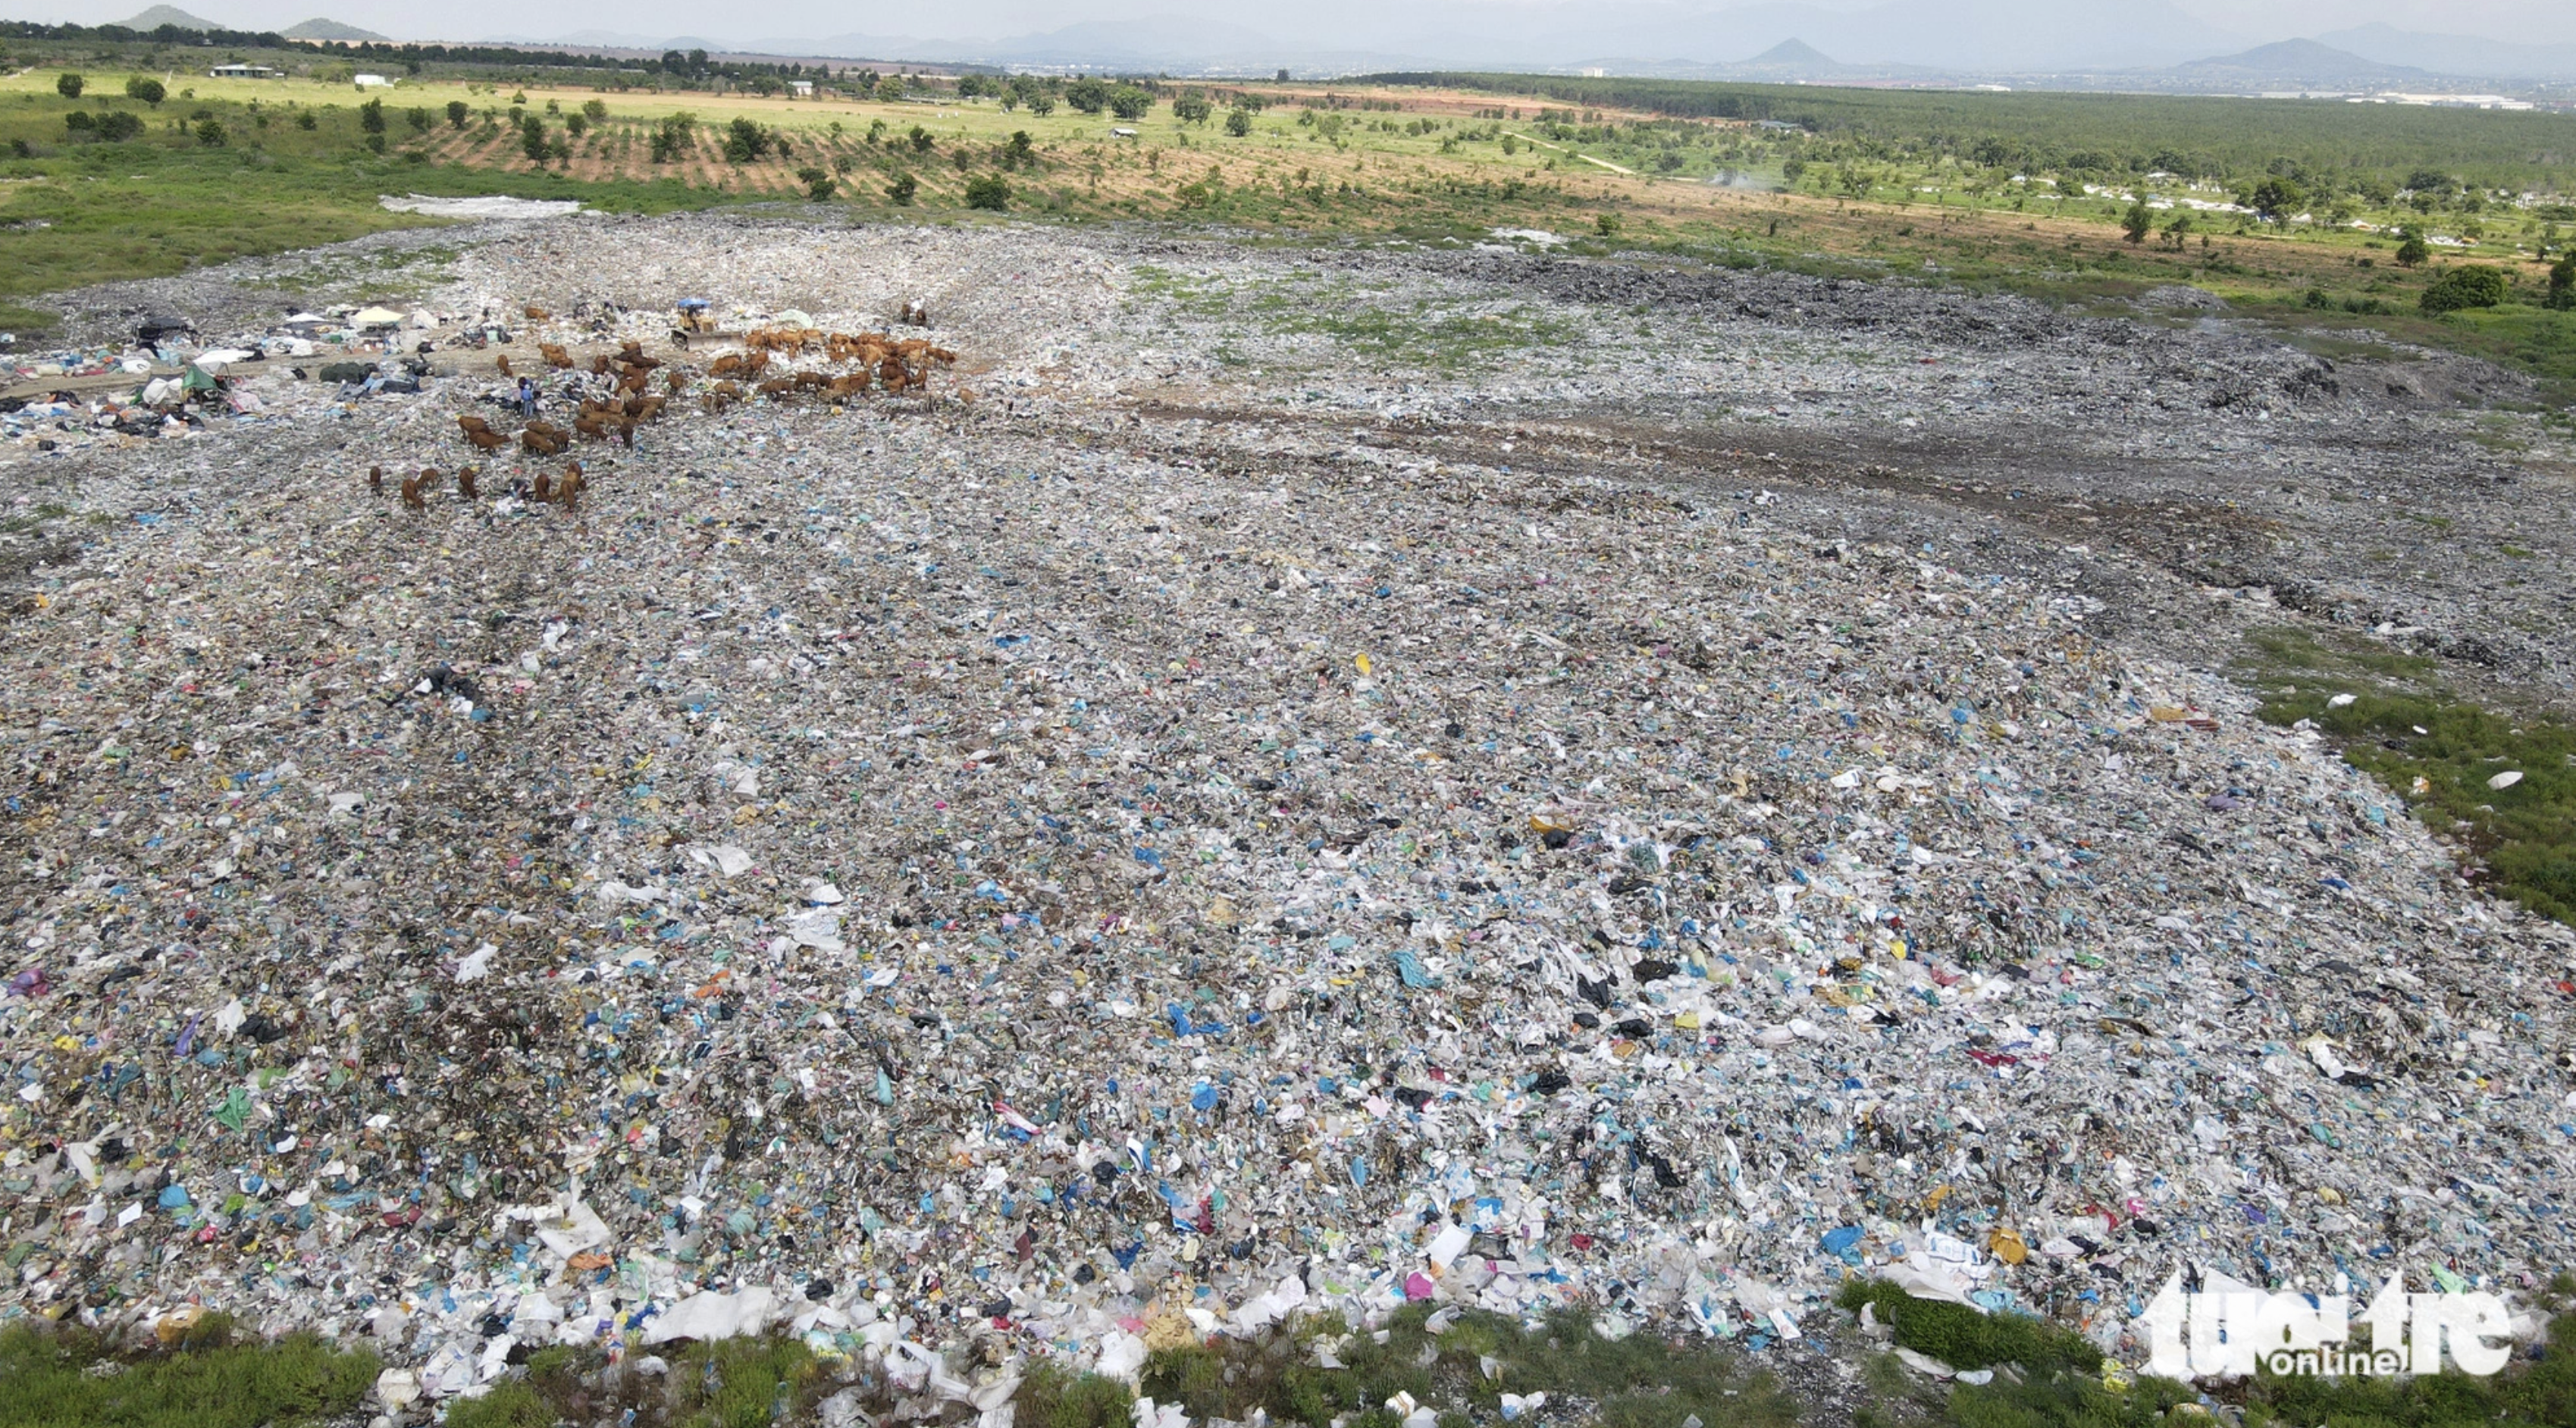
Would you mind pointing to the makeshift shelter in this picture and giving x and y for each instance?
(375, 319)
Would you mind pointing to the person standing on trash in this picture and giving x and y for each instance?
(527, 399)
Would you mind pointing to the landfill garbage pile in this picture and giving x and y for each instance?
(920, 870)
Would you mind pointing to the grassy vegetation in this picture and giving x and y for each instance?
(2042, 1381)
(2438, 752)
(730, 1383)
(1964, 1338)
(68, 1378)
(1463, 1367)
(1458, 1364)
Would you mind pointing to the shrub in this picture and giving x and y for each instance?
(1129, 102)
(1964, 1338)
(2464, 287)
(305, 120)
(80, 122)
(574, 124)
(1052, 1398)
(818, 183)
(1606, 224)
(2562, 283)
(149, 90)
(2412, 252)
(69, 86)
(211, 134)
(594, 110)
(1239, 123)
(991, 191)
(922, 140)
(1192, 109)
(418, 119)
(902, 190)
(118, 126)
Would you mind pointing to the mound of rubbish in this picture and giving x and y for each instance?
(935, 875)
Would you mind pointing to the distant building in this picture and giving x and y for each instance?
(374, 81)
(245, 71)
(802, 88)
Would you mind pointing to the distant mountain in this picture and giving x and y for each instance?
(160, 15)
(1792, 58)
(2463, 55)
(318, 28)
(2297, 64)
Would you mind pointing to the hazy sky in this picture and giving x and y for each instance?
(1313, 24)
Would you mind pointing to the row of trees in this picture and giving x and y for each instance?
(140, 87)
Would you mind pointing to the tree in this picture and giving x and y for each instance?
(80, 121)
(922, 140)
(1088, 96)
(418, 119)
(745, 141)
(1239, 123)
(69, 86)
(902, 190)
(2562, 283)
(1192, 109)
(2275, 199)
(818, 184)
(1020, 152)
(2412, 252)
(1606, 224)
(532, 139)
(2138, 222)
(991, 191)
(1129, 102)
(2177, 229)
(594, 110)
(2464, 287)
(146, 88)
(210, 133)
(1041, 103)
(457, 109)
(371, 116)
(670, 136)
(2429, 181)
(574, 124)
(118, 126)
